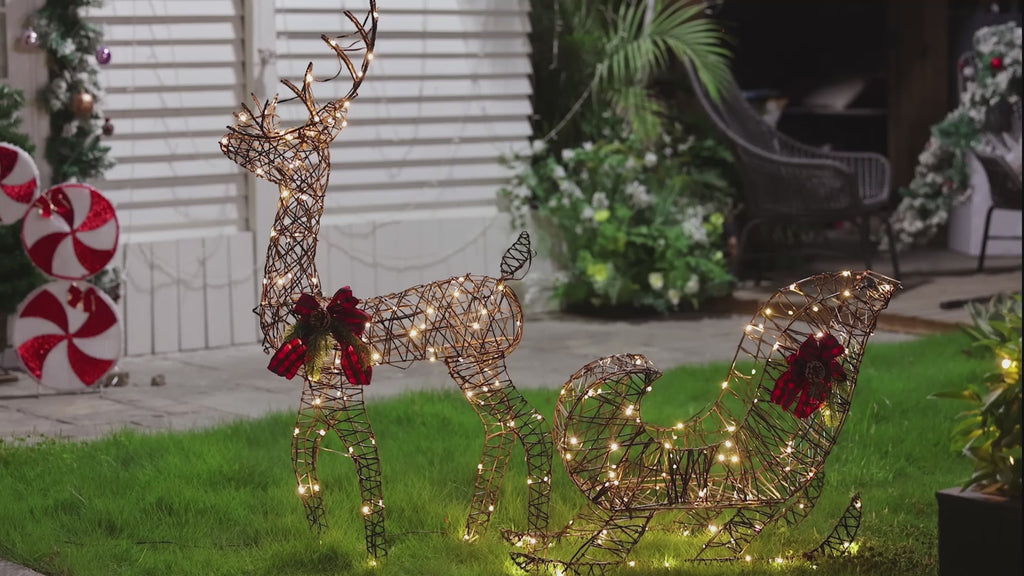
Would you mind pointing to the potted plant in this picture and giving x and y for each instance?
(980, 522)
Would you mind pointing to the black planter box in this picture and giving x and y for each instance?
(978, 534)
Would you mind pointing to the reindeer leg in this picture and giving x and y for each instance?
(305, 449)
(694, 521)
(483, 390)
(350, 422)
(535, 436)
(498, 441)
(504, 412)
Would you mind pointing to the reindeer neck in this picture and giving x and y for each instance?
(291, 254)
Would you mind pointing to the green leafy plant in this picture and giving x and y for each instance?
(597, 55)
(990, 433)
(632, 224)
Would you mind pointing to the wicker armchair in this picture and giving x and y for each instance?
(1005, 187)
(786, 182)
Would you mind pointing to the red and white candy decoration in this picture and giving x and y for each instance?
(19, 183)
(71, 231)
(67, 335)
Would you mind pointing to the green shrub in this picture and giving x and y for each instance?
(990, 433)
(630, 224)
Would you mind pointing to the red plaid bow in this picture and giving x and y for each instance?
(342, 320)
(812, 371)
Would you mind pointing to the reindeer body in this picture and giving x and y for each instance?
(470, 323)
(464, 317)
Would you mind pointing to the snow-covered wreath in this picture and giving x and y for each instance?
(941, 178)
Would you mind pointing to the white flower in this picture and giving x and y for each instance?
(692, 285)
(650, 159)
(693, 224)
(568, 154)
(587, 213)
(656, 280)
(559, 172)
(630, 163)
(600, 201)
(538, 147)
(686, 145)
(588, 146)
(570, 189)
(638, 195)
(667, 152)
(673, 296)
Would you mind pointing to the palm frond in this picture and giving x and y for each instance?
(636, 52)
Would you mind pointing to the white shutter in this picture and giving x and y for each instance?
(174, 80)
(412, 196)
(173, 83)
(447, 94)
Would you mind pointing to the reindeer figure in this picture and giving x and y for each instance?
(470, 323)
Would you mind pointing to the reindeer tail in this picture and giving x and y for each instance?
(515, 263)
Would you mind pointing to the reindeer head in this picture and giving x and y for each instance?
(259, 144)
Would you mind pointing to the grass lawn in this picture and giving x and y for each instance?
(223, 501)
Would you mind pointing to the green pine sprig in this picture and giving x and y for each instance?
(74, 148)
(320, 343)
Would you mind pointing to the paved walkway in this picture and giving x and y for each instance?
(208, 387)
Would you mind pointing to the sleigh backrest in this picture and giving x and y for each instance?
(791, 383)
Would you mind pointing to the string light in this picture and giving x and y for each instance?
(609, 453)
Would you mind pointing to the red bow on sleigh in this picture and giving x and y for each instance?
(342, 321)
(812, 371)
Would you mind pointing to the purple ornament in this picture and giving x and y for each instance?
(103, 55)
(108, 127)
(30, 38)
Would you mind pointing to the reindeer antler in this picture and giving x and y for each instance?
(262, 121)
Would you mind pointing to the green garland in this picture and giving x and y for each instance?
(73, 149)
(941, 179)
(18, 276)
